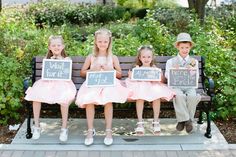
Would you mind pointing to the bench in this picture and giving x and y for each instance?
(126, 63)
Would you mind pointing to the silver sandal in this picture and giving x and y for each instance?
(140, 128)
(156, 127)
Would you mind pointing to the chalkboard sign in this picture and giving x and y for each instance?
(100, 78)
(56, 69)
(183, 78)
(146, 74)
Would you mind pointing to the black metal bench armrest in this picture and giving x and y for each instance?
(26, 83)
(210, 89)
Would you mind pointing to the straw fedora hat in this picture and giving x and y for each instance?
(183, 37)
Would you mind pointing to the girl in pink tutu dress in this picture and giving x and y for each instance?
(101, 59)
(151, 91)
(52, 91)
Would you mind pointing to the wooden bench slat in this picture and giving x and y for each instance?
(78, 80)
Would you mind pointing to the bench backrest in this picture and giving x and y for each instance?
(126, 63)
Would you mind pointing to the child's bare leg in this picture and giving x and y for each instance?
(64, 131)
(64, 115)
(36, 128)
(36, 111)
(90, 118)
(90, 111)
(156, 109)
(139, 109)
(156, 113)
(108, 111)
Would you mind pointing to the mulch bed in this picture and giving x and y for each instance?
(228, 129)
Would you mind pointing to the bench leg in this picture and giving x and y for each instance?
(28, 134)
(200, 121)
(208, 129)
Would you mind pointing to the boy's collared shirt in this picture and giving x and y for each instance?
(182, 61)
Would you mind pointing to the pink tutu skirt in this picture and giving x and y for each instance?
(51, 92)
(101, 95)
(148, 91)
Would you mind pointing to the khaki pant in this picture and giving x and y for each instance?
(185, 104)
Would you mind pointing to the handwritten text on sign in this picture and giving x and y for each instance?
(183, 78)
(146, 74)
(56, 69)
(100, 78)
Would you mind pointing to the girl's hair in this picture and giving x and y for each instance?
(103, 31)
(144, 47)
(54, 37)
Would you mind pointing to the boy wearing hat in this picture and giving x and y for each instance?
(186, 99)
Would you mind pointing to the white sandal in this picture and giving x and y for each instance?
(36, 133)
(156, 127)
(108, 141)
(89, 141)
(140, 129)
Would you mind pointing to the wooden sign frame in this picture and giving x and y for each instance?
(100, 78)
(53, 69)
(146, 74)
(184, 80)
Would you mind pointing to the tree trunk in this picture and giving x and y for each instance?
(0, 5)
(199, 7)
(104, 2)
(191, 4)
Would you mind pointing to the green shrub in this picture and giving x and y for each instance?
(212, 43)
(226, 20)
(57, 13)
(126, 46)
(11, 88)
(225, 15)
(175, 19)
(150, 31)
(137, 3)
(141, 13)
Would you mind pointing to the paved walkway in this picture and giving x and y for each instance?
(210, 153)
(169, 143)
